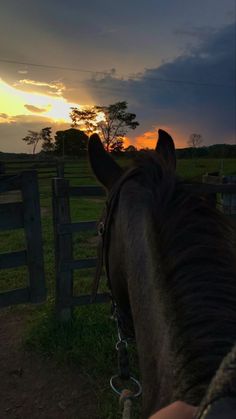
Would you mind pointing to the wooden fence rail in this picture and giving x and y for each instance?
(63, 231)
(47, 169)
(26, 215)
(53, 168)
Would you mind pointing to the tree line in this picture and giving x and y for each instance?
(110, 122)
(213, 151)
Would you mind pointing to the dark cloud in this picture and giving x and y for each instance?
(199, 32)
(199, 96)
(101, 34)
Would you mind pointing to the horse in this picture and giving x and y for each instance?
(170, 260)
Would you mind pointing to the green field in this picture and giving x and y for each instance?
(88, 341)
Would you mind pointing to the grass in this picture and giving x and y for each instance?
(88, 340)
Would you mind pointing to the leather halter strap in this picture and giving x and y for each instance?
(103, 232)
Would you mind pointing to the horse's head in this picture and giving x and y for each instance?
(129, 233)
(121, 212)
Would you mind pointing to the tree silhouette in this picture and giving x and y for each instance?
(85, 118)
(71, 142)
(195, 140)
(117, 146)
(130, 151)
(44, 135)
(111, 122)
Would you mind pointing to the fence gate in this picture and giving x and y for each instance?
(64, 261)
(26, 215)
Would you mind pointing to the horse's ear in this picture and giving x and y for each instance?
(106, 170)
(166, 148)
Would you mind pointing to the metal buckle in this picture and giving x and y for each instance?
(120, 343)
(101, 228)
(117, 389)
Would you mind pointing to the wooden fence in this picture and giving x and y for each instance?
(24, 214)
(47, 168)
(63, 231)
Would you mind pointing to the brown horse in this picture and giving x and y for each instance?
(170, 259)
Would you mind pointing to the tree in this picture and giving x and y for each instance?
(111, 122)
(117, 146)
(195, 140)
(131, 149)
(44, 135)
(32, 139)
(86, 117)
(71, 142)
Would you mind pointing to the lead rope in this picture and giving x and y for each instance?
(126, 399)
(126, 395)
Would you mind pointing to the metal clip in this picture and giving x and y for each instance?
(120, 343)
(118, 390)
(101, 228)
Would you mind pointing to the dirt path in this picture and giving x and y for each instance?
(35, 388)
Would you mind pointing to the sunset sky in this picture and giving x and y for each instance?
(173, 61)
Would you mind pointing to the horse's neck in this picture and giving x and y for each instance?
(150, 327)
(197, 349)
(152, 339)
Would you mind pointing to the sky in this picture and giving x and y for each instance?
(173, 61)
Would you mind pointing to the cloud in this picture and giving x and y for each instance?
(35, 109)
(3, 115)
(199, 32)
(22, 71)
(6, 119)
(50, 88)
(193, 93)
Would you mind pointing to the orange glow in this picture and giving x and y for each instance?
(127, 142)
(149, 138)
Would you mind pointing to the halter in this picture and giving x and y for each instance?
(124, 331)
(104, 227)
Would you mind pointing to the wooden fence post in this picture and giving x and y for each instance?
(2, 168)
(60, 168)
(32, 225)
(63, 249)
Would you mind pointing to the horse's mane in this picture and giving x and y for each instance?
(197, 250)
